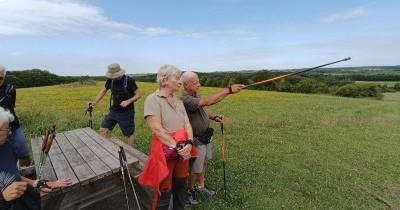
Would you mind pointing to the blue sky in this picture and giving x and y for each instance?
(81, 37)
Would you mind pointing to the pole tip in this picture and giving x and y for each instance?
(348, 58)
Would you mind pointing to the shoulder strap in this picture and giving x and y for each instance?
(9, 89)
(126, 83)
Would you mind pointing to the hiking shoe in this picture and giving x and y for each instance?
(192, 197)
(205, 190)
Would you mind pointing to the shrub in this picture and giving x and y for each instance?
(360, 90)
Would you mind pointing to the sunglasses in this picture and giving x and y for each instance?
(1, 78)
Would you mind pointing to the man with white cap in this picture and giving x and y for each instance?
(124, 93)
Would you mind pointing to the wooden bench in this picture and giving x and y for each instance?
(91, 161)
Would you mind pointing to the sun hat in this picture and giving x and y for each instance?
(114, 71)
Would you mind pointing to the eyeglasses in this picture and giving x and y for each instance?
(5, 129)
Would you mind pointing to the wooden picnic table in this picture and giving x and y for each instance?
(90, 160)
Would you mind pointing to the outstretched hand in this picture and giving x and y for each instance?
(57, 184)
(235, 88)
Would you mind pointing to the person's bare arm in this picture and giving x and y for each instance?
(208, 101)
(99, 96)
(131, 100)
(155, 125)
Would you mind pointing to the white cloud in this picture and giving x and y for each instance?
(50, 17)
(357, 12)
(47, 17)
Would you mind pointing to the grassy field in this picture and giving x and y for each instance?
(284, 151)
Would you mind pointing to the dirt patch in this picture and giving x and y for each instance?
(392, 96)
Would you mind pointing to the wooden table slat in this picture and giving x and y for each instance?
(81, 169)
(106, 156)
(99, 167)
(108, 145)
(60, 164)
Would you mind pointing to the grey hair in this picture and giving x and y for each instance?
(3, 70)
(166, 71)
(5, 117)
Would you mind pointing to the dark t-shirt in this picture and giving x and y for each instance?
(7, 101)
(198, 117)
(9, 172)
(120, 92)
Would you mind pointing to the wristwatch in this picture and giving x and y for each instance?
(41, 183)
(189, 141)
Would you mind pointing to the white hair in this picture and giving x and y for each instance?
(5, 117)
(166, 71)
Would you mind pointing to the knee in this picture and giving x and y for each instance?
(103, 132)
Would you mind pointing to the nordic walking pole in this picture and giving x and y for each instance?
(46, 145)
(123, 177)
(90, 110)
(294, 73)
(223, 155)
(129, 175)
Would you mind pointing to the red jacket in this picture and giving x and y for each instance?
(155, 170)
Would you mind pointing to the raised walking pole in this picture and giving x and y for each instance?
(294, 73)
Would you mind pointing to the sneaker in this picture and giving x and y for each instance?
(205, 190)
(192, 197)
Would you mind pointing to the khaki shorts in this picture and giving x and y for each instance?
(205, 155)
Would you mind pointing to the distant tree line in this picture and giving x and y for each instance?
(38, 78)
(327, 81)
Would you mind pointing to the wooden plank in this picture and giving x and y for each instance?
(110, 160)
(110, 146)
(93, 161)
(61, 166)
(81, 169)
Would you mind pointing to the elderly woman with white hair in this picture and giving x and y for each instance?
(167, 167)
(17, 192)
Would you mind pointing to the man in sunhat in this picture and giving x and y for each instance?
(124, 93)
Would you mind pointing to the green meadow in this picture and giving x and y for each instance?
(283, 150)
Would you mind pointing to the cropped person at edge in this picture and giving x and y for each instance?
(8, 97)
(16, 191)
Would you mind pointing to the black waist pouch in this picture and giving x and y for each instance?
(206, 138)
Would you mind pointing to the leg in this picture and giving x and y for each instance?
(202, 177)
(126, 122)
(20, 146)
(165, 188)
(202, 187)
(104, 132)
(108, 124)
(179, 184)
(130, 140)
(178, 193)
